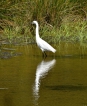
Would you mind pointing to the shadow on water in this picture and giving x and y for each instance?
(67, 87)
(41, 72)
(6, 53)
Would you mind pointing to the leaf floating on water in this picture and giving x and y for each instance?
(3, 88)
(8, 49)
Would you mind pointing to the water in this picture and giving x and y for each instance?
(58, 80)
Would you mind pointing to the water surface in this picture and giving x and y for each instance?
(58, 80)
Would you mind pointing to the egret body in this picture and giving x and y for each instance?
(43, 45)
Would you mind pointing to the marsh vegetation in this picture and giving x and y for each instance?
(60, 20)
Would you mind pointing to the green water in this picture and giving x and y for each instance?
(58, 80)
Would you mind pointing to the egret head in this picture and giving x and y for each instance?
(35, 22)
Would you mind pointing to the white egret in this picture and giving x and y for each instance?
(43, 45)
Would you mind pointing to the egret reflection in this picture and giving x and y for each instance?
(41, 71)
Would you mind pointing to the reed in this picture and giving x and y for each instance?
(60, 20)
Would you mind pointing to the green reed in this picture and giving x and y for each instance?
(60, 20)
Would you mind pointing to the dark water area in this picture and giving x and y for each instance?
(26, 79)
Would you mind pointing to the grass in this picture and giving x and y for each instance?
(60, 20)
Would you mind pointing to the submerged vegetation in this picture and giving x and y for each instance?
(60, 20)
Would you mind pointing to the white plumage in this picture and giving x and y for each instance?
(43, 45)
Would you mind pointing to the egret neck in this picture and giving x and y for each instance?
(37, 30)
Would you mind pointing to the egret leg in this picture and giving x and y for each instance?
(44, 54)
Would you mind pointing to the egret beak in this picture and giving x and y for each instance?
(33, 22)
